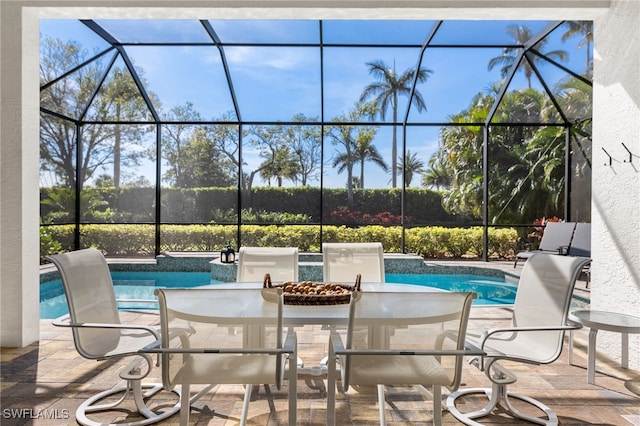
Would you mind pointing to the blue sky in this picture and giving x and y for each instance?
(276, 82)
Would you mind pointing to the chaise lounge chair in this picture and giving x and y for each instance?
(581, 246)
(555, 239)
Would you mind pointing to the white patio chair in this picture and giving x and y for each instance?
(412, 339)
(99, 334)
(555, 239)
(280, 262)
(212, 356)
(535, 336)
(341, 262)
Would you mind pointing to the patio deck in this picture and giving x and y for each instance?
(50, 380)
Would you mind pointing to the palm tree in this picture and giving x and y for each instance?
(347, 137)
(366, 151)
(412, 165)
(521, 35)
(437, 176)
(279, 164)
(385, 91)
(584, 29)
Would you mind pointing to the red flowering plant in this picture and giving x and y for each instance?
(355, 217)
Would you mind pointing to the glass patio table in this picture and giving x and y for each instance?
(330, 315)
(254, 308)
(608, 321)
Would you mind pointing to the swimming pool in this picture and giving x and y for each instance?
(127, 285)
(140, 285)
(489, 290)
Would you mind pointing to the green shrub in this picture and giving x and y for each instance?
(196, 237)
(48, 243)
(136, 240)
(262, 216)
(503, 243)
(219, 205)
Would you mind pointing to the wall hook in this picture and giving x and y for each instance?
(630, 155)
(610, 159)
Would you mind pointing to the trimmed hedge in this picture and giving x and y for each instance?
(201, 205)
(429, 242)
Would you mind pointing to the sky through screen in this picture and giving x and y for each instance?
(278, 69)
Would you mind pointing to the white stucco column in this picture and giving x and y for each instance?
(19, 187)
(616, 188)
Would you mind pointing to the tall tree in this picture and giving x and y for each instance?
(530, 159)
(437, 174)
(199, 155)
(227, 140)
(385, 92)
(280, 162)
(521, 34)
(204, 165)
(366, 151)
(412, 165)
(583, 29)
(122, 97)
(175, 138)
(347, 137)
(69, 97)
(306, 145)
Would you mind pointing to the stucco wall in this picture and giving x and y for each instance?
(616, 188)
(616, 191)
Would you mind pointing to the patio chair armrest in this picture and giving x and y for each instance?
(65, 321)
(487, 334)
(433, 352)
(153, 301)
(156, 349)
(139, 301)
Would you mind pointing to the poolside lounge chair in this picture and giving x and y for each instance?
(535, 336)
(412, 339)
(581, 242)
(555, 239)
(99, 334)
(581, 246)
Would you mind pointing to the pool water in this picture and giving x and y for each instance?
(140, 285)
(489, 290)
(127, 285)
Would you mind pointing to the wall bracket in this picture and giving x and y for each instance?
(610, 159)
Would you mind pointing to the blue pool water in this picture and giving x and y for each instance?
(127, 285)
(140, 285)
(489, 290)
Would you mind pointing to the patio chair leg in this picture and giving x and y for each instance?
(135, 388)
(437, 405)
(245, 405)
(381, 405)
(498, 394)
